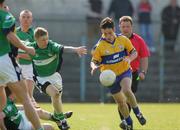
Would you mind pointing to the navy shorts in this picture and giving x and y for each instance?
(115, 88)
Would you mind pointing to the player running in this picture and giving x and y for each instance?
(47, 62)
(115, 52)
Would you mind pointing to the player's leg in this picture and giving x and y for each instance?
(123, 108)
(20, 91)
(126, 88)
(45, 115)
(2, 105)
(120, 99)
(134, 88)
(27, 72)
(2, 98)
(55, 95)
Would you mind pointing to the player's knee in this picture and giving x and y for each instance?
(127, 91)
(121, 102)
(56, 94)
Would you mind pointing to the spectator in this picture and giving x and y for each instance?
(119, 8)
(170, 24)
(94, 17)
(144, 19)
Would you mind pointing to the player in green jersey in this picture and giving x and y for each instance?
(15, 118)
(46, 62)
(10, 73)
(26, 33)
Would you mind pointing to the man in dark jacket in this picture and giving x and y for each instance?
(119, 8)
(170, 23)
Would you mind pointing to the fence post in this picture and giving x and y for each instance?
(83, 72)
(161, 70)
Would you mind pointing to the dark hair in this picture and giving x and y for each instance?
(107, 23)
(126, 19)
(2, 1)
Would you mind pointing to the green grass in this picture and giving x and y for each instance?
(105, 116)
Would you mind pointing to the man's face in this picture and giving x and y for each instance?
(126, 28)
(25, 19)
(42, 41)
(108, 34)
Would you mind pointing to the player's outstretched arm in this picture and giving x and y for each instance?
(81, 50)
(17, 43)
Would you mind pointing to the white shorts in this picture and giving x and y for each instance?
(25, 123)
(55, 80)
(9, 70)
(27, 71)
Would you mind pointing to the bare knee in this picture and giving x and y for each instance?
(127, 91)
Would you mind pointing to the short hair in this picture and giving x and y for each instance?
(126, 19)
(39, 32)
(107, 23)
(2, 1)
(25, 11)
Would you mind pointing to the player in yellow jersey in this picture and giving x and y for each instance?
(115, 52)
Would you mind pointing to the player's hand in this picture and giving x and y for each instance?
(30, 50)
(81, 50)
(93, 68)
(141, 76)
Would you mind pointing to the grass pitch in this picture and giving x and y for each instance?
(105, 116)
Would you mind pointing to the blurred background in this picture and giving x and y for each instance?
(76, 22)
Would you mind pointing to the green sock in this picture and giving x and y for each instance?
(59, 116)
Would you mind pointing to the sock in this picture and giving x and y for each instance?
(59, 116)
(129, 120)
(40, 129)
(136, 110)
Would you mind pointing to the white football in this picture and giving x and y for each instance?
(107, 78)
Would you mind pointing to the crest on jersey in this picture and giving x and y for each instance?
(9, 108)
(107, 52)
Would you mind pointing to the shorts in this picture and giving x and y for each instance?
(9, 70)
(115, 88)
(25, 123)
(27, 71)
(55, 80)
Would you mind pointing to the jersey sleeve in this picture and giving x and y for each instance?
(96, 55)
(144, 51)
(9, 24)
(128, 45)
(57, 48)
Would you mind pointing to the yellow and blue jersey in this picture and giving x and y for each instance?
(110, 55)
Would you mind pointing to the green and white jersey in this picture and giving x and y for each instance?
(7, 22)
(27, 37)
(47, 60)
(12, 113)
